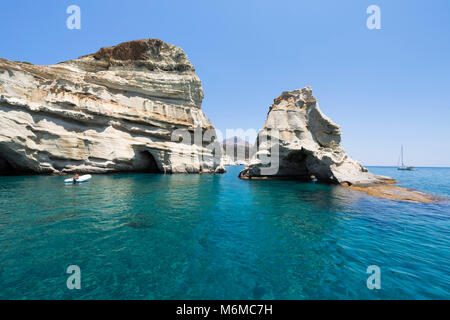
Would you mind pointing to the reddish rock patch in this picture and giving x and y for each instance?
(131, 50)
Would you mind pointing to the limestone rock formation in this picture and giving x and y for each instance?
(300, 142)
(115, 110)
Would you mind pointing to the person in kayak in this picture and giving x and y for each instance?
(75, 177)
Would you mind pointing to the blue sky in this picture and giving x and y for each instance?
(384, 87)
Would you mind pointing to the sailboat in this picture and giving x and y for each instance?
(402, 166)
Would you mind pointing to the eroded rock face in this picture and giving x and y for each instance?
(304, 144)
(115, 110)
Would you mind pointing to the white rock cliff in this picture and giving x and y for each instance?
(115, 110)
(302, 143)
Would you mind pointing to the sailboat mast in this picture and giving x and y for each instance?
(402, 166)
(402, 157)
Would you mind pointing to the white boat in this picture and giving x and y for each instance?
(402, 166)
(81, 179)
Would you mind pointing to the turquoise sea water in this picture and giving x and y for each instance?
(148, 236)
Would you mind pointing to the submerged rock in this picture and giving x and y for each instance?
(114, 110)
(388, 191)
(298, 141)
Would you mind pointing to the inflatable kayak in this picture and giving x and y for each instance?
(81, 179)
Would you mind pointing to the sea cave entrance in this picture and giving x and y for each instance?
(145, 162)
(7, 168)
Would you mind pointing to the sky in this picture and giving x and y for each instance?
(385, 87)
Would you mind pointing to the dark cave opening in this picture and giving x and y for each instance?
(5, 167)
(294, 166)
(145, 162)
(8, 169)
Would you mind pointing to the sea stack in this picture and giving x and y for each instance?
(112, 111)
(302, 143)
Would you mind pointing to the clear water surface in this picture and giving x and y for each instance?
(148, 236)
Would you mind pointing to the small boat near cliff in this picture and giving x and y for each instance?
(81, 179)
(402, 165)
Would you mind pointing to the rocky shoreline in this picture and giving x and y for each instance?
(299, 142)
(121, 109)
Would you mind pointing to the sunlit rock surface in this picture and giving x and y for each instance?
(306, 144)
(115, 110)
